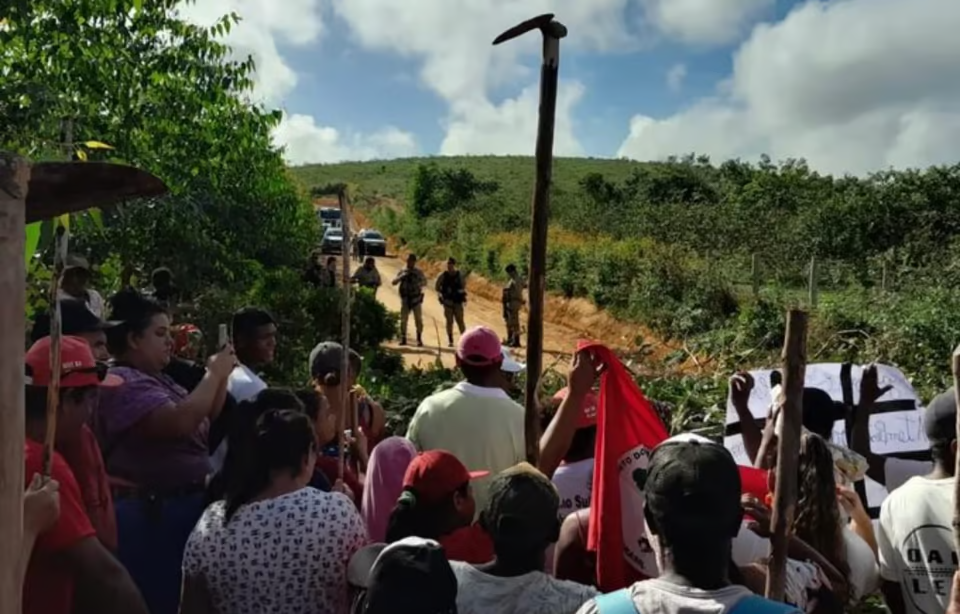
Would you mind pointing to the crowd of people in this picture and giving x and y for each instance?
(191, 486)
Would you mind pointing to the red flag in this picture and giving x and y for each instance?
(628, 428)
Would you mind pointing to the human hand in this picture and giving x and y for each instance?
(850, 501)
(584, 371)
(954, 606)
(760, 514)
(741, 385)
(222, 363)
(41, 505)
(870, 390)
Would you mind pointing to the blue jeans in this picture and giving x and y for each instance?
(152, 535)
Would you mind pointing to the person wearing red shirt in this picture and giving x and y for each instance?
(69, 556)
(437, 503)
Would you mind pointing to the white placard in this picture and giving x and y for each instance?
(890, 432)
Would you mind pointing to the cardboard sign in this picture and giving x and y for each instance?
(896, 426)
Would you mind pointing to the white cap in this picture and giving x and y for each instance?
(510, 365)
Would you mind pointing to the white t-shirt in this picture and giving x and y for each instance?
(574, 483)
(660, 597)
(532, 593)
(288, 554)
(915, 538)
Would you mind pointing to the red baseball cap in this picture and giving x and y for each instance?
(436, 474)
(588, 413)
(479, 347)
(78, 368)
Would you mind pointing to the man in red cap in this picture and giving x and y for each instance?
(475, 420)
(69, 555)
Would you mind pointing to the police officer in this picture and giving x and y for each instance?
(412, 282)
(512, 302)
(453, 296)
(367, 276)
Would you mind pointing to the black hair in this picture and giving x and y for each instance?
(246, 321)
(134, 312)
(241, 435)
(412, 257)
(451, 260)
(479, 373)
(161, 276)
(511, 268)
(281, 441)
(312, 402)
(35, 399)
(412, 517)
(817, 520)
(942, 453)
(582, 445)
(819, 412)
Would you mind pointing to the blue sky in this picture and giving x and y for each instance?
(850, 85)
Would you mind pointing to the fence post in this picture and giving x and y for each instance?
(755, 275)
(814, 291)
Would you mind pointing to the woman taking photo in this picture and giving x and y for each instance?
(274, 544)
(154, 440)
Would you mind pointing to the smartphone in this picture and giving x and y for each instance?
(223, 337)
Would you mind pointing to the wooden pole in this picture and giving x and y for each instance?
(814, 291)
(14, 178)
(955, 364)
(346, 395)
(552, 31)
(788, 451)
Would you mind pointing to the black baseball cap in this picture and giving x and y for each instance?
(75, 319)
(940, 417)
(327, 357)
(410, 575)
(692, 490)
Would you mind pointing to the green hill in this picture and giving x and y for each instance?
(710, 253)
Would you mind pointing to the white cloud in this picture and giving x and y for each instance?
(704, 22)
(675, 77)
(511, 127)
(307, 143)
(453, 40)
(850, 85)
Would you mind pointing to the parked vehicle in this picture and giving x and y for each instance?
(332, 241)
(372, 243)
(329, 217)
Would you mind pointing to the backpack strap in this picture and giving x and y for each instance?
(617, 602)
(755, 604)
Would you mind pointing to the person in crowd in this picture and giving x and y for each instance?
(163, 289)
(41, 511)
(437, 503)
(187, 341)
(75, 284)
(273, 544)
(511, 369)
(512, 303)
(367, 276)
(369, 422)
(83, 453)
(521, 517)
(411, 282)
(692, 511)
(313, 273)
(242, 434)
(153, 434)
(475, 420)
(915, 535)
(452, 290)
(383, 483)
(890, 471)
(410, 575)
(330, 276)
(574, 477)
(326, 475)
(70, 570)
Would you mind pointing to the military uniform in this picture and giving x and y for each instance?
(512, 302)
(411, 282)
(453, 295)
(367, 278)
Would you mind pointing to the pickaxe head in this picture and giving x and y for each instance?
(544, 23)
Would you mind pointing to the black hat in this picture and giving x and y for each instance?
(692, 491)
(327, 357)
(410, 575)
(940, 418)
(521, 510)
(75, 319)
